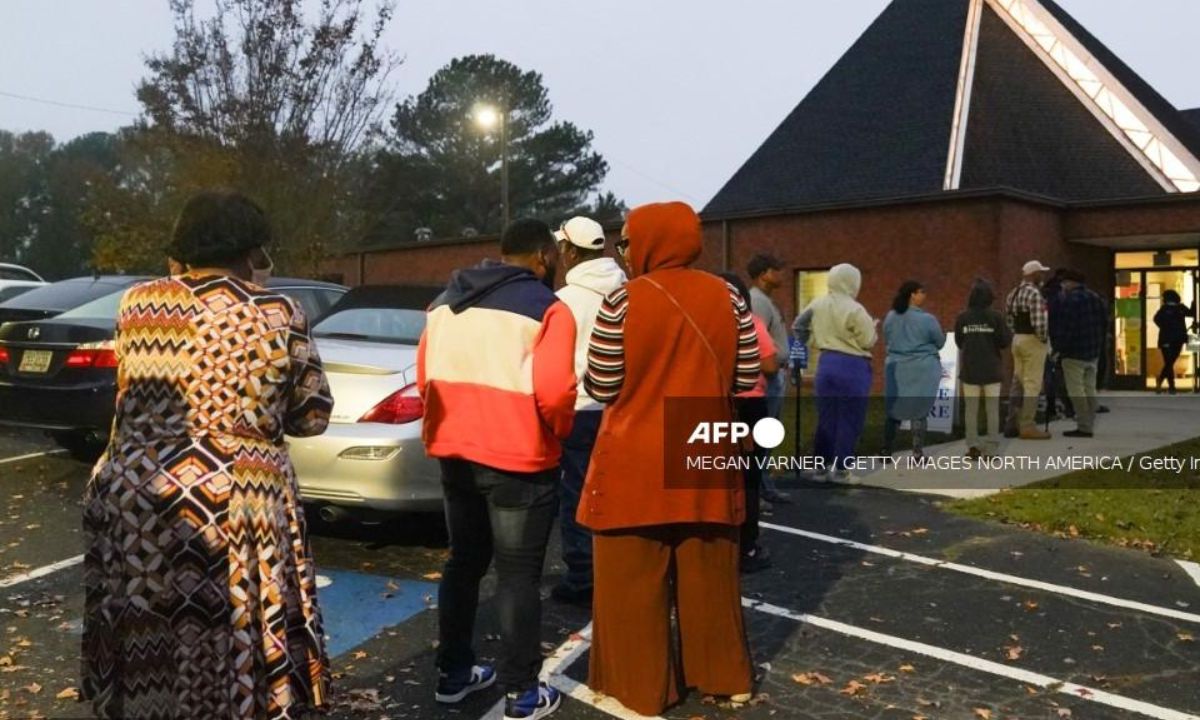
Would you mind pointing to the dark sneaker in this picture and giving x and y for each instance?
(757, 559)
(1077, 434)
(532, 704)
(568, 595)
(453, 687)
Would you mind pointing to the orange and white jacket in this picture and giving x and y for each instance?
(495, 369)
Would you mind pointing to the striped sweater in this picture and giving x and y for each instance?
(606, 348)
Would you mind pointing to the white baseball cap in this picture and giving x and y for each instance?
(582, 232)
(1034, 266)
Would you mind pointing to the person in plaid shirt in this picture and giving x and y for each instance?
(1025, 310)
(1078, 328)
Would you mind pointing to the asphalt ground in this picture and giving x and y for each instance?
(879, 605)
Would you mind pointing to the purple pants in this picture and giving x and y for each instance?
(842, 386)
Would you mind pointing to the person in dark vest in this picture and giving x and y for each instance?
(1025, 311)
(1172, 321)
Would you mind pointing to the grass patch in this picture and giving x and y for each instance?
(1140, 509)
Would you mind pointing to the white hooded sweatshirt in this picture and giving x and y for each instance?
(587, 284)
(837, 321)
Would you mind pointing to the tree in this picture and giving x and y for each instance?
(441, 170)
(23, 164)
(257, 98)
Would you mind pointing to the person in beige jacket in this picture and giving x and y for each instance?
(844, 332)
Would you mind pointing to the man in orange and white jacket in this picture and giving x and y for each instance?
(495, 368)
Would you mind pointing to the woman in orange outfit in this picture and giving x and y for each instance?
(665, 538)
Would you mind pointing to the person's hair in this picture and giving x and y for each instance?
(1171, 296)
(759, 264)
(525, 237)
(738, 284)
(218, 227)
(904, 296)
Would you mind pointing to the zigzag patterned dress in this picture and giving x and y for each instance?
(200, 586)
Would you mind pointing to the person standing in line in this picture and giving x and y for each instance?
(766, 276)
(1172, 322)
(200, 594)
(590, 277)
(495, 420)
(913, 369)
(1077, 335)
(1025, 312)
(751, 407)
(844, 332)
(666, 539)
(981, 335)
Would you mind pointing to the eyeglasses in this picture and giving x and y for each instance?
(622, 246)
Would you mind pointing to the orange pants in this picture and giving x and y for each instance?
(633, 652)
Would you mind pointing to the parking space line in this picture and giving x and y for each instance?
(31, 456)
(1192, 569)
(40, 572)
(975, 663)
(992, 575)
(554, 670)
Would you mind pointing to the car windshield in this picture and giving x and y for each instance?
(101, 308)
(384, 325)
(14, 290)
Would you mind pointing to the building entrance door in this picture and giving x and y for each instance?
(1137, 360)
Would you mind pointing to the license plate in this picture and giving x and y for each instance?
(35, 361)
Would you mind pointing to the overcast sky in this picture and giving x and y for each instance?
(678, 92)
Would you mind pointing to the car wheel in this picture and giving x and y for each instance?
(83, 445)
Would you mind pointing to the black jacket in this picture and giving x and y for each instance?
(1172, 321)
(981, 335)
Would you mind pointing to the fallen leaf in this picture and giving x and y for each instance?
(432, 576)
(1114, 626)
(1013, 652)
(853, 688)
(1031, 605)
(879, 678)
(920, 531)
(906, 668)
(983, 713)
(1063, 712)
(5, 661)
(393, 585)
(1098, 648)
(1074, 531)
(359, 655)
(32, 688)
(811, 678)
(1186, 637)
(68, 694)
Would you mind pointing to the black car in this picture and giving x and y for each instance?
(58, 372)
(50, 300)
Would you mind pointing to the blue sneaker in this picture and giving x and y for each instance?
(532, 704)
(452, 688)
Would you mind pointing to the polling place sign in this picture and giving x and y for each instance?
(941, 417)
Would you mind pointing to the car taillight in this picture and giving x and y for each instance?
(92, 355)
(3, 355)
(402, 406)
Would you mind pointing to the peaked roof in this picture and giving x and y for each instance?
(879, 124)
(1192, 116)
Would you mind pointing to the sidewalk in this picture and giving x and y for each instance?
(1138, 423)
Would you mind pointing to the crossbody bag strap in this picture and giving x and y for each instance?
(726, 386)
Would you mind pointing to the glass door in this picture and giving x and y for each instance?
(1129, 312)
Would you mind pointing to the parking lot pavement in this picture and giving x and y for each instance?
(878, 606)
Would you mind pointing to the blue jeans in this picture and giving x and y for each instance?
(842, 386)
(576, 539)
(507, 515)
(776, 390)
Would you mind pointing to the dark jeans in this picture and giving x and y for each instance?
(1170, 353)
(576, 539)
(509, 515)
(750, 411)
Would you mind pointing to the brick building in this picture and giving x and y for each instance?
(955, 139)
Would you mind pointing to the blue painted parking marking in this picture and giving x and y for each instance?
(356, 606)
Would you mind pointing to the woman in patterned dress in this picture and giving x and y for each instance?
(200, 586)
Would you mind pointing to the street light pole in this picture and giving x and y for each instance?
(505, 211)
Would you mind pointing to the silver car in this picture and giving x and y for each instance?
(371, 458)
